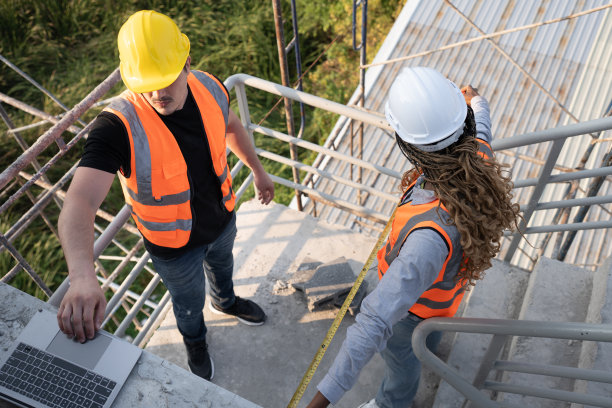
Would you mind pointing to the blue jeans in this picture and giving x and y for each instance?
(402, 367)
(184, 279)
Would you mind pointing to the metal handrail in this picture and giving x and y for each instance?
(556, 135)
(239, 83)
(502, 329)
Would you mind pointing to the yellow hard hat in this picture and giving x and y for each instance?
(152, 51)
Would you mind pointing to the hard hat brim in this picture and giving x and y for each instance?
(143, 85)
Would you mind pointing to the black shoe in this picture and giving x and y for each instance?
(199, 360)
(244, 310)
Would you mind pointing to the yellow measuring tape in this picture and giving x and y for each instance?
(297, 396)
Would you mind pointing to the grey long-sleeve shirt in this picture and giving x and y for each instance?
(409, 275)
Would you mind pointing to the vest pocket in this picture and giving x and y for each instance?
(170, 178)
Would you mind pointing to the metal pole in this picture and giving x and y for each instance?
(562, 216)
(363, 50)
(55, 132)
(282, 58)
(295, 42)
(593, 190)
(101, 243)
(36, 84)
(553, 155)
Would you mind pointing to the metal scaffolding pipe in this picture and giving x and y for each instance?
(101, 243)
(160, 312)
(129, 294)
(245, 184)
(308, 99)
(325, 174)
(36, 84)
(560, 178)
(35, 112)
(127, 320)
(25, 265)
(575, 202)
(334, 201)
(54, 133)
(111, 230)
(124, 261)
(43, 169)
(548, 135)
(320, 149)
(579, 226)
(127, 282)
(28, 217)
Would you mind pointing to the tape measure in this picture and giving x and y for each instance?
(299, 392)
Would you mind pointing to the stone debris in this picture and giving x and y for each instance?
(304, 273)
(326, 282)
(279, 286)
(353, 308)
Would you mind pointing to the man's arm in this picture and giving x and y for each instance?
(82, 309)
(239, 142)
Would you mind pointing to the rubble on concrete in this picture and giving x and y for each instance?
(327, 283)
(353, 308)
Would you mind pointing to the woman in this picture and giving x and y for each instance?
(448, 225)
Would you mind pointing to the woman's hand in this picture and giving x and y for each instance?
(468, 93)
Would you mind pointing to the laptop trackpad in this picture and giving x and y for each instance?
(86, 354)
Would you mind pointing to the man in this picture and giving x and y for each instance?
(166, 135)
(438, 244)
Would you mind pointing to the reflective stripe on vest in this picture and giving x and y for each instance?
(443, 297)
(158, 189)
(213, 88)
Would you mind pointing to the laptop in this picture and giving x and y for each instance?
(44, 368)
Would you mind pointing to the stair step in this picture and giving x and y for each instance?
(497, 296)
(556, 292)
(595, 355)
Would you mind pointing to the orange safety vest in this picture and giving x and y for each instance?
(443, 297)
(158, 189)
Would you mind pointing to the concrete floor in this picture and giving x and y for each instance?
(265, 364)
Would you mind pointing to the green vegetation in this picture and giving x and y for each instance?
(69, 46)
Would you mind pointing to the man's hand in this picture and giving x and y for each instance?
(82, 310)
(264, 187)
(468, 93)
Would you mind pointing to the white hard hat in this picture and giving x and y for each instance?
(426, 109)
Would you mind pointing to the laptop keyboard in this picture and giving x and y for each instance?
(53, 381)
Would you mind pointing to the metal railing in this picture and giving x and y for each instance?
(137, 307)
(502, 330)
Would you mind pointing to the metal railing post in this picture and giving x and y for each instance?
(362, 48)
(282, 57)
(553, 155)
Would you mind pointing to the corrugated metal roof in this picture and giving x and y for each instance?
(569, 59)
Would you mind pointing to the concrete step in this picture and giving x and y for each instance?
(556, 292)
(595, 355)
(265, 364)
(498, 296)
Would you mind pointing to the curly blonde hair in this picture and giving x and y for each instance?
(474, 190)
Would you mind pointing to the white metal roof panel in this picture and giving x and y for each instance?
(569, 64)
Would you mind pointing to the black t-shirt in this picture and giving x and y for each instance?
(108, 149)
